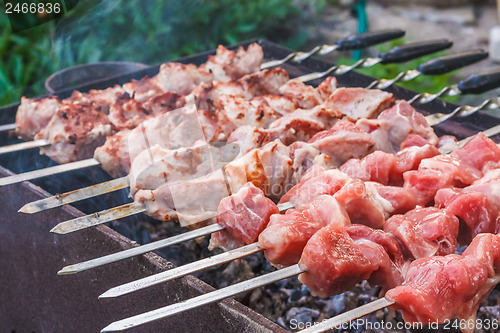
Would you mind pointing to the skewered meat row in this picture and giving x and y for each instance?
(338, 256)
(342, 137)
(33, 115)
(368, 203)
(181, 128)
(439, 288)
(67, 128)
(273, 168)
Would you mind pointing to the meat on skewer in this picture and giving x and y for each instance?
(358, 143)
(436, 289)
(33, 115)
(73, 131)
(183, 127)
(366, 202)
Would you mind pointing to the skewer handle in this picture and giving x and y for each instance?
(367, 39)
(479, 83)
(446, 64)
(410, 51)
(474, 84)
(351, 42)
(437, 66)
(400, 53)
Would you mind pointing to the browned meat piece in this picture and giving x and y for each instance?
(357, 103)
(306, 96)
(224, 66)
(33, 115)
(142, 90)
(343, 142)
(74, 131)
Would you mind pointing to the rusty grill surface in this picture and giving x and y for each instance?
(34, 298)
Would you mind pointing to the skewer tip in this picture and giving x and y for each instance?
(110, 293)
(59, 229)
(113, 327)
(66, 270)
(27, 209)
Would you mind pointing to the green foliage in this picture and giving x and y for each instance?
(423, 83)
(25, 57)
(150, 31)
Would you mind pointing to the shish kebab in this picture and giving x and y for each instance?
(421, 296)
(336, 257)
(397, 54)
(145, 89)
(413, 126)
(475, 84)
(247, 216)
(379, 132)
(174, 81)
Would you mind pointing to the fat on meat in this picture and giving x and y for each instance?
(306, 96)
(425, 232)
(191, 201)
(358, 103)
(171, 130)
(33, 115)
(334, 261)
(439, 288)
(262, 83)
(226, 65)
(371, 204)
(144, 89)
(328, 182)
(244, 215)
(476, 212)
(439, 172)
(286, 234)
(343, 142)
(394, 125)
(155, 166)
(479, 152)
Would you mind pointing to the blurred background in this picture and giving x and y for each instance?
(156, 31)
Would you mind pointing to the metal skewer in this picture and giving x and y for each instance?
(204, 299)
(7, 127)
(23, 146)
(181, 271)
(473, 84)
(99, 218)
(83, 266)
(351, 42)
(463, 111)
(76, 195)
(349, 316)
(48, 171)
